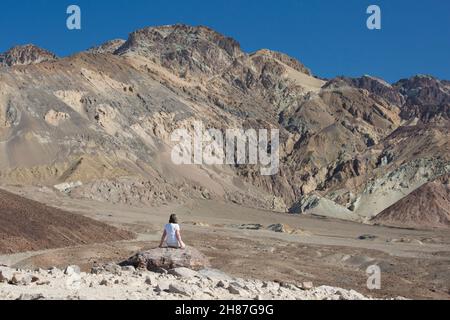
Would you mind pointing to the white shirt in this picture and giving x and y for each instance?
(171, 231)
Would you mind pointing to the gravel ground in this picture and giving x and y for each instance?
(125, 283)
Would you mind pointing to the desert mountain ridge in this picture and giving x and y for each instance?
(350, 147)
(25, 55)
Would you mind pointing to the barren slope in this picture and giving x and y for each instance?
(428, 206)
(28, 225)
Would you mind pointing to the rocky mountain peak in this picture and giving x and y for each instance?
(411, 85)
(183, 35)
(183, 48)
(108, 47)
(25, 55)
(426, 97)
(283, 58)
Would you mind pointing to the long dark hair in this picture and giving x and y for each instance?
(173, 218)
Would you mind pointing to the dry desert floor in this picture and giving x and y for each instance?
(414, 263)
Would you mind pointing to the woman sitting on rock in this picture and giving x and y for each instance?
(171, 236)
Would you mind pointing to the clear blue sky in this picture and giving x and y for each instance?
(329, 36)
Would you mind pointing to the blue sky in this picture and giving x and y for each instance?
(329, 36)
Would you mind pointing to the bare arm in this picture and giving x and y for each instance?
(180, 242)
(163, 238)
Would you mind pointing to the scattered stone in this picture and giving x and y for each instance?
(288, 285)
(55, 118)
(307, 285)
(179, 289)
(181, 283)
(273, 286)
(183, 272)
(198, 224)
(6, 274)
(281, 228)
(367, 237)
(20, 279)
(54, 271)
(160, 270)
(2, 277)
(97, 270)
(71, 270)
(250, 226)
(128, 269)
(214, 274)
(162, 286)
(31, 297)
(234, 289)
(113, 268)
(40, 271)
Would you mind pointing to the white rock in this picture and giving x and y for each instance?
(235, 289)
(179, 289)
(113, 268)
(128, 269)
(163, 285)
(307, 285)
(71, 270)
(149, 281)
(21, 279)
(183, 273)
(214, 274)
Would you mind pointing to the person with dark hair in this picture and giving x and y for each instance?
(172, 236)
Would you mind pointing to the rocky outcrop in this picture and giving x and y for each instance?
(25, 55)
(320, 206)
(167, 258)
(128, 283)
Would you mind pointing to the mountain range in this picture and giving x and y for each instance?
(357, 149)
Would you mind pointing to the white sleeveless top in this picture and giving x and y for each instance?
(171, 229)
